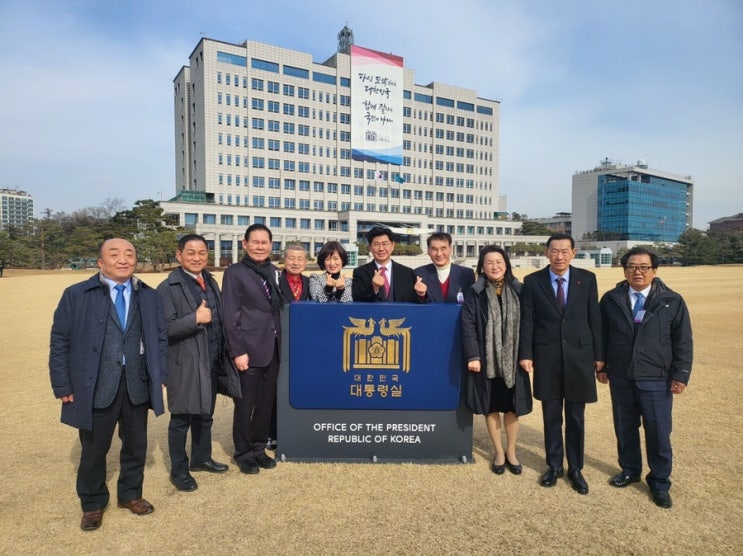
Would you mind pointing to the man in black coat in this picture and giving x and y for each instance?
(648, 343)
(442, 281)
(560, 342)
(383, 279)
(193, 310)
(252, 303)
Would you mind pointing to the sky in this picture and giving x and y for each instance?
(86, 102)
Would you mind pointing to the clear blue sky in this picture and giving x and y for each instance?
(86, 111)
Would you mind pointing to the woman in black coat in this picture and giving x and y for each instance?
(495, 383)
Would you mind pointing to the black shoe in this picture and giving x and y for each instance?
(550, 476)
(248, 466)
(265, 461)
(577, 481)
(662, 499)
(621, 480)
(185, 482)
(498, 469)
(209, 465)
(514, 468)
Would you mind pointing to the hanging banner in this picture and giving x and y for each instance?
(376, 106)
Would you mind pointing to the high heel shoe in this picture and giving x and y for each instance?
(516, 469)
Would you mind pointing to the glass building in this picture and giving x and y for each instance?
(630, 204)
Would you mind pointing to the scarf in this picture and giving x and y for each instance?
(502, 327)
(267, 272)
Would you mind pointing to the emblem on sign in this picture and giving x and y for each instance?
(370, 345)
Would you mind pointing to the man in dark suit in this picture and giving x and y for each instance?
(383, 279)
(192, 307)
(108, 364)
(560, 342)
(648, 342)
(252, 303)
(441, 281)
(294, 285)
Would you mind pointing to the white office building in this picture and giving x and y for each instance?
(16, 208)
(263, 135)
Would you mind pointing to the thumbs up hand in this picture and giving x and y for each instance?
(203, 313)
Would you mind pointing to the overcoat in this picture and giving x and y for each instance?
(189, 361)
(477, 386)
(563, 345)
(76, 345)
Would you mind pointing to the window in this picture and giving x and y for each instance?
(289, 128)
(256, 84)
(258, 162)
(273, 125)
(303, 92)
(209, 219)
(274, 164)
(319, 224)
(257, 123)
(288, 90)
(288, 109)
(289, 165)
(257, 104)
(288, 146)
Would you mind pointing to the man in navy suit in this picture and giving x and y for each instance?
(560, 343)
(441, 281)
(108, 364)
(252, 302)
(383, 279)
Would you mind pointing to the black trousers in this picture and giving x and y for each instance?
(653, 402)
(252, 415)
(552, 411)
(95, 443)
(200, 426)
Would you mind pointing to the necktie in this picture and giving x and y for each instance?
(639, 304)
(383, 271)
(120, 304)
(200, 282)
(560, 294)
(266, 288)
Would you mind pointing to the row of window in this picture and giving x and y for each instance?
(319, 224)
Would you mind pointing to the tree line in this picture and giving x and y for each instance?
(60, 240)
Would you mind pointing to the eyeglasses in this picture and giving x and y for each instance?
(643, 268)
(377, 245)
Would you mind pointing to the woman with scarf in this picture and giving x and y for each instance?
(495, 383)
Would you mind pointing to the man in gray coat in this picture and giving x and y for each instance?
(191, 303)
(107, 364)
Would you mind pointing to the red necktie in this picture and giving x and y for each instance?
(383, 270)
(200, 282)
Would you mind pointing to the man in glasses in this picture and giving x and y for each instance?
(648, 345)
(383, 279)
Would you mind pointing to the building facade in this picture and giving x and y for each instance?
(16, 208)
(630, 204)
(262, 135)
(727, 223)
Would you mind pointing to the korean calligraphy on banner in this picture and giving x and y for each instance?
(376, 106)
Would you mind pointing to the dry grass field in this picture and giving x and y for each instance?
(316, 508)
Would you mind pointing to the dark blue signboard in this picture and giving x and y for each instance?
(375, 356)
(376, 382)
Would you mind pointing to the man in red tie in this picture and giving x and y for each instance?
(383, 279)
(294, 285)
(191, 304)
